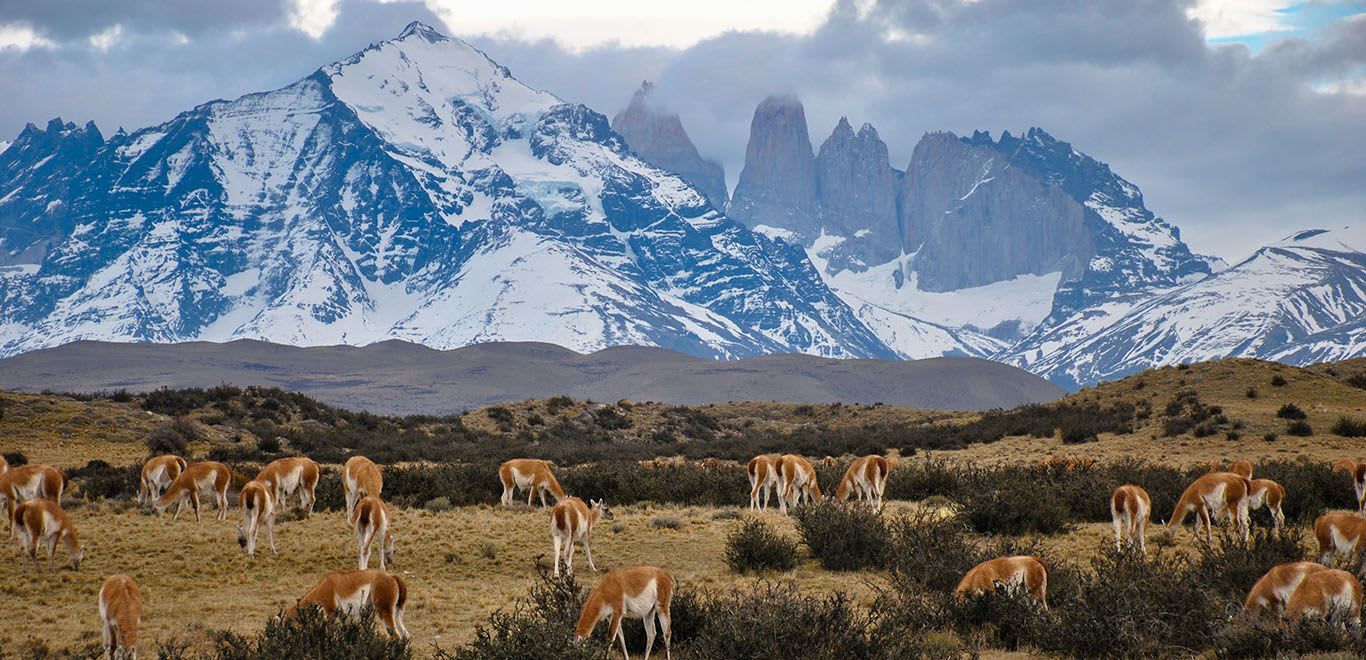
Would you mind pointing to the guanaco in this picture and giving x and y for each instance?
(1274, 589)
(573, 520)
(45, 522)
(157, 474)
(258, 505)
(866, 479)
(1357, 471)
(120, 602)
(530, 475)
(351, 590)
(207, 477)
(796, 482)
(1130, 508)
(290, 475)
(763, 476)
(1339, 533)
(1020, 571)
(360, 477)
(1329, 593)
(371, 521)
(638, 592)
(1212, 497)
(28, 482)
(1270, 494)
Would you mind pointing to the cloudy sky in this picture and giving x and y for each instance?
(1241, 120)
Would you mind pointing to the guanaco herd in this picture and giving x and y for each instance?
(32, 495)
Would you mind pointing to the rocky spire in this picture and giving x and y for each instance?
(658, 137)
(857, 190)
(778, 185)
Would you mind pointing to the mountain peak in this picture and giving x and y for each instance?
(658, 137)
(422, 31)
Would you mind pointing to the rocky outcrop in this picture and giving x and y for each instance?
(972, 218)
(777, 188)
(856, 189)
(658, 137)
(37, 173)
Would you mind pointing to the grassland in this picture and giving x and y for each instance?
(465, 563)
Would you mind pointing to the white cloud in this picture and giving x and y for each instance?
(581, 25)
(105, 39)
(21, 38)
(1239, 18)
(313, 17)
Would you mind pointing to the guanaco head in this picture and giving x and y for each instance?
(603, 510)
(241, 536)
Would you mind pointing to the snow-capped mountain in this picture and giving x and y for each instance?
(1300, 300)
(415, 190)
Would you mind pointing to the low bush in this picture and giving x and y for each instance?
(1299, 428)
(843, 536)
(100, 480)
(1276, 639)
(1357, 380)
(746, 624)
(312, 634)
(15, 458)
(541, 626)
(753, 545)
(1291, 411)
(666, 522)
(1016, 504)
(1277, 381)
(1349, 428)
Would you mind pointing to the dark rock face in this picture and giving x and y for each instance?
(37, 172)
(659, 138)
(972, 218)
(778, 185)
(857, 190)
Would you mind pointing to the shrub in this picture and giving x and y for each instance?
(1357, 380)
(311, 634)
(1276, 639)
(843, 536)
(1269, 437)
(1299, 428)
(100, 480)
(755, 546)
(15, 458)
(174, 436)
(438, 505)
(666, 522)
(1277, 381)
(1015, 504)
(555, 404)
(1251, 392)
(745, 624)
(1349, 428)
(928, 551)
(268, 444)
(1290, 411)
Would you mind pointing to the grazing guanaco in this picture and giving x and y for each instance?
(1357, 471)
(1242, 468)
(158, 473)
(207, 477)
(45, 522)
(866, 479)
(572, 520)
(530, 475)
(1212, 497)
(1329, 593)
(120, 602)
(638, 592)
(258, 505)
(796, 482)
(1274, 589)
(350, 591)
(360, 477)
(763, 476)
(28, 482)
(1270, 494)
(1130, 508)
(371, 521)
(1020, 571)
(1339, 533)
(290, 475)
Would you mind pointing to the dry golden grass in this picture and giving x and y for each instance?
(461, 566)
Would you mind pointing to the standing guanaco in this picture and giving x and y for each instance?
(530, 475)
(360, 477)
(371, 521)
(287, 476)
(1275, 588)
(573, 520)
(638, 592)
(1130, 508)
(1270, 494)
(45, 522)
(763, 476)
(206, 477)
(1357, 471)
(258, 506)
(1212, 497)
(28, 482)
(350, 591)
(120, 602)
(1327, 593)
(796, 482)
(1339, 533)
(866, 479)
(157, 474)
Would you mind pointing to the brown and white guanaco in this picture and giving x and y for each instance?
(763, 477)
(1273, 590)
(258, 506)
(371, 521)
(287, 476)
(352, 590)
(28, 482)
(157, 474)
(530, 475)
(360, 477)
(206, 478)
(1018, 572)
(572, 520)
(1329, 593)
(638, 592)
(1130, 509)
(45, 523)
(120, 602)
(1212, 497)
(796, 482)
(866, 479)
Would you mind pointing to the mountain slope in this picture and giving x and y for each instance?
(1300, 300)
(415, 190)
